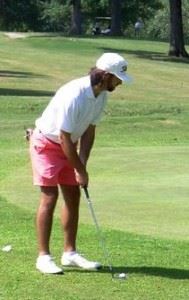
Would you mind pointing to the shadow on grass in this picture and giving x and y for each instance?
(19, 74)
(172, 273)
(150, 55)
(160, 271)
(31, 93)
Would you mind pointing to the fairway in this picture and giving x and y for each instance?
(139, 171)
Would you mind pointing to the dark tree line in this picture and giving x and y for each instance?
(74, 16)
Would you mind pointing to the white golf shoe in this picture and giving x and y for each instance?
(45, 264)
(74, 259)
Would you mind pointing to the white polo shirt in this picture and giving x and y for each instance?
(72, 109)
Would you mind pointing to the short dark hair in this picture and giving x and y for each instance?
(96, 76)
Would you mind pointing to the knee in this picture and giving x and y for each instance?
(48, 199)
(71, 193)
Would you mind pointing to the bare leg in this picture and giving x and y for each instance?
(49, 196)
(70, 215)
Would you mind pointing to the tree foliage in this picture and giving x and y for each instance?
(19, 15)
(54, 16)
(78, 16)
(58, 14)
(158, 27)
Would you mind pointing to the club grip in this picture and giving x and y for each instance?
(86, 192)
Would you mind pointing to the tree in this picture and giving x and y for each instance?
(2, 4)
(176, 47)
(76, 17)
(55, 16)
(19, 15)
(125, 13)
(116, 17)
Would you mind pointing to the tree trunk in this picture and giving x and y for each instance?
(176, 47)
(76, 17)
(116, 17)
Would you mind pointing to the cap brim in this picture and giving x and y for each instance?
(124, 77)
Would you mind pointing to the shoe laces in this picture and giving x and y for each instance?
(81, 259)
(50, 259)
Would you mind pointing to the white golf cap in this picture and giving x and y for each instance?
(115, 64)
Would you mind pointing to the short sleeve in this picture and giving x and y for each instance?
(67, 113)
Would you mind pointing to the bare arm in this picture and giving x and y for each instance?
(86, 143)
(70, 151)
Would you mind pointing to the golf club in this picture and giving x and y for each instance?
(101, 238)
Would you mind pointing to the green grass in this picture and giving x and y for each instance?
(138, 171)
(157, 268)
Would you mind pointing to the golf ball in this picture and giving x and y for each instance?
(7, 248)
(122, 275)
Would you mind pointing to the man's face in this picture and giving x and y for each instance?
(112, 82)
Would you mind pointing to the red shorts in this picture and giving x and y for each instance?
(49, 163)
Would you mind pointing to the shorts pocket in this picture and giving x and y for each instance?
(39, 143)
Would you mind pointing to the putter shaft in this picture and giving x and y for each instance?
(100, 236)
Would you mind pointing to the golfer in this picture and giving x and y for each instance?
(60, 147)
